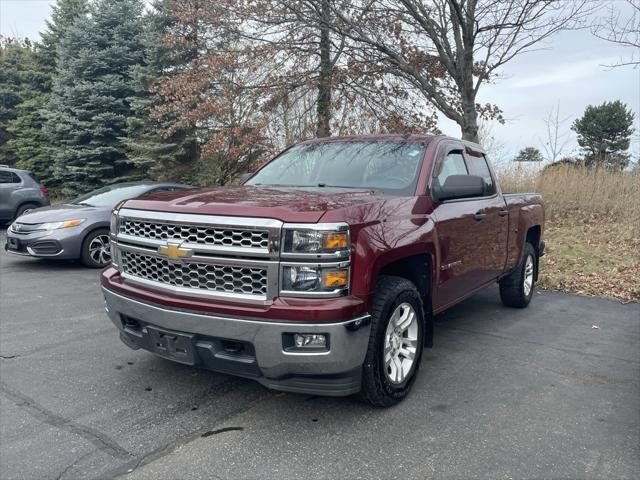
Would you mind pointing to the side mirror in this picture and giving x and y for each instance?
(461, 186)
(245, 176)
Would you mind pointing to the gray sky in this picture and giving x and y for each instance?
(569, 70)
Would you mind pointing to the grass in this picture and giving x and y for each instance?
(592, 229)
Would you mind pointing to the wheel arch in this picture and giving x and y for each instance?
(418, 269)
(23, 203)
(533, 236)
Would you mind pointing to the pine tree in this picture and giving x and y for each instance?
(604, 133)
(92, 93)
(29, 145)
(17, 83)
(63, 15)
(166, 156)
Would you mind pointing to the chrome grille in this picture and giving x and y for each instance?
(196, 234)
(202, 276)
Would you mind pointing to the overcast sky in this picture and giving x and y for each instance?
(570, 70)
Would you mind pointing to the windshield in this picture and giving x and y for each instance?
(383, 165)
(111, 195)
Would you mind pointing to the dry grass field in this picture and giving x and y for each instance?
(592, 229)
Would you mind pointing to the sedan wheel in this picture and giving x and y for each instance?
(96, 249)
(100, 249)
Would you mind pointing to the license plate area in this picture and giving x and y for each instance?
(179, 347)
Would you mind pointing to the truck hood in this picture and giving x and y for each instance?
(289, 204)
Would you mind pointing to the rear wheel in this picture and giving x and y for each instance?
(395, 344)
(516, 289)
(26, 208)
(96, 249)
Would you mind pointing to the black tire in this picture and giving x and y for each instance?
(512, 287)
(87, 256)
(24, 208)
(377, 389)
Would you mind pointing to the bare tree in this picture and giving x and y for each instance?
(557, 135)
(447, 49)
(495, 148)
(350, 94)
(621, 25)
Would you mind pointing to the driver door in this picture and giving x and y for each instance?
(466, 241)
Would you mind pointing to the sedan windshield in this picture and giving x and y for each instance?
(389, 166)
(111, 195)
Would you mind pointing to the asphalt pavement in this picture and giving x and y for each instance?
(534, 393)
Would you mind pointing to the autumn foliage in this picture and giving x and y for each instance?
(253, 77)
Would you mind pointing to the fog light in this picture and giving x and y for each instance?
(314, 340)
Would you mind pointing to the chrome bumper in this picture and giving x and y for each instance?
(299, 372)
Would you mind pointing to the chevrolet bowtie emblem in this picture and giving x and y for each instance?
(173, 251)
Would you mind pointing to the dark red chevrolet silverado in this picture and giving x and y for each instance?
(322, 272)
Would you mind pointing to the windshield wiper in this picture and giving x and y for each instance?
(84, 204)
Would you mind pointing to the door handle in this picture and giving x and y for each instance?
(503, 213)
(479, 216)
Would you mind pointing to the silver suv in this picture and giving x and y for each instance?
(19, 193)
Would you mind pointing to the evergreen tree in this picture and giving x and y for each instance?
(92, 93)
(29, 145)
(166, 156)
(63, 15)
(529, 154)
(17, 83)
(604, 133)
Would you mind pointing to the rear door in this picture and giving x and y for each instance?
(472, 236)
(496, 221)
(9, 182)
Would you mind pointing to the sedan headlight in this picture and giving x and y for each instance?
(58, 225)
(332, 239)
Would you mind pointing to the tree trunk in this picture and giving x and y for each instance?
(324, 77)
(469, 125)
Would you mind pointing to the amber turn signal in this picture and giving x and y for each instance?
(335, 278)
(336, 241)
(71, 223)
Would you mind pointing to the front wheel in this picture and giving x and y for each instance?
(516, 289)
(395, 344)
(96, 249)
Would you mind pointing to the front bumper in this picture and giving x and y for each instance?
(63, 243)
(258, 349)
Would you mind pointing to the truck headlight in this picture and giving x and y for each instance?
(315, 279)
(332, 239)
(114, 222)
(113, 227)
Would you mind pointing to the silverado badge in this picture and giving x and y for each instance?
(173, 251)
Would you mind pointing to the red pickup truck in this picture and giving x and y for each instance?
(321, 274)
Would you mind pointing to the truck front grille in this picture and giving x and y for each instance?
(196, 234)
(229, 279)
(199, 255)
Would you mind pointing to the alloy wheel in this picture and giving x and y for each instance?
(100, 249)
(400, 343)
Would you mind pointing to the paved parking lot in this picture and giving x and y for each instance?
(505, 393)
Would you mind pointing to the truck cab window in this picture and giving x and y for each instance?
(451, 164)
(478, 166)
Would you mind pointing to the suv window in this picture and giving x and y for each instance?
(9, 177)
(478, 166)
(452, 164)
